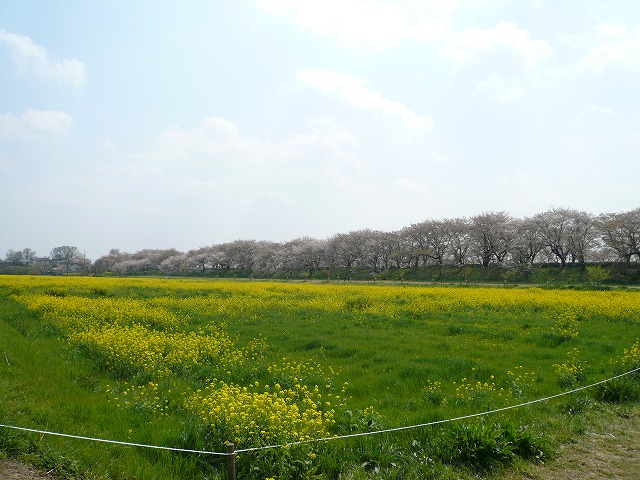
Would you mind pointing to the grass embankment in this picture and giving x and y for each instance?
(572, 275)
(193, 364)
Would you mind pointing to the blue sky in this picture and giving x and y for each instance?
(146, 124)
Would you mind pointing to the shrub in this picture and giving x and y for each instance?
(482, 447)
(525, 445)
(478, 446)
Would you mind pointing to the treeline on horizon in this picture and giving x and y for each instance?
(560, 244)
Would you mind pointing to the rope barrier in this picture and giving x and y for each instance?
(327, 439)
(117, 442)
(436, 422)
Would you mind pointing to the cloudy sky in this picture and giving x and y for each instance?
(149, 124)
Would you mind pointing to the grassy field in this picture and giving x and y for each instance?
(195, 364)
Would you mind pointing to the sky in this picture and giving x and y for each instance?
(156, 124)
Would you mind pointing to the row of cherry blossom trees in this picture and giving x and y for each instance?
(559, 235)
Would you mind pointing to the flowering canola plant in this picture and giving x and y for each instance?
(274, 415)
(137, 348)
(232, 299)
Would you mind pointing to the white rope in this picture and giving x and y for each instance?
(326, 439)
(79, 437)
(436, 422)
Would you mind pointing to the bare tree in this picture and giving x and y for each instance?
(387, 243)
(28, 254)
(14, 256)
(435, 236)
(305, 253)
(399, 249)
(375, 250)
(555, 226)
(346, 249)
(459, 239)
(491, 235)
(66, 255)
(620, 232)
(415, 236)
(582, 235)
(569, 234)
(527, 243)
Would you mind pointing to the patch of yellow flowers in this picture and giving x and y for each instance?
(233, 299)
(472, 392)
(494, 391)
(256, 415)
(573, 371)
(73, 312)
(132, 348)
(566, 326)
(631, 358)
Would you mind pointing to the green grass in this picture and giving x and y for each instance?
(388, 363)
(45, 386)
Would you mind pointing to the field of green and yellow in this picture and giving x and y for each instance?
(196, 364)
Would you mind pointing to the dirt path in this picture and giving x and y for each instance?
(610, 449)
(14, 470)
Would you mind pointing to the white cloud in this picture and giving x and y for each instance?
(499, 90)
(35, 122)
(514, 179)
(384, 24)
(219, 151)
(381, 24)
(48, 121)
(591, 109)
(216, 136)
(109, 144)
(471, 45)
(611, 46)
(404, 184)
(326, 140)
(219, 176)
(352, 91)
(33, 59)
(5, 166)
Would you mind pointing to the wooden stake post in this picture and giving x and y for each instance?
(231, 461)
